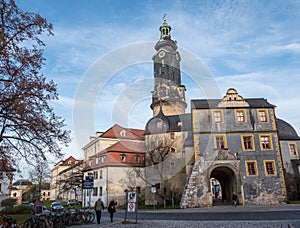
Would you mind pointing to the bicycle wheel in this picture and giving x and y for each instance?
(43, 223)
(77, 219)
(28, 224)
(90, 217)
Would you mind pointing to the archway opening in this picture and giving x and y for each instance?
(223, 184)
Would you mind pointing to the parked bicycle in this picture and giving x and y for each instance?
(87, 215)
(8, 222)
(36, 221)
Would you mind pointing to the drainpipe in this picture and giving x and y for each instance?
(106, 185)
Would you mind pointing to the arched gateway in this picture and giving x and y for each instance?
(223, 181)
(210, 176)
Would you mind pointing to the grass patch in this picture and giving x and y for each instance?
(20, 218)
(294, 202)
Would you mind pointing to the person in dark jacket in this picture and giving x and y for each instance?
(111, 209)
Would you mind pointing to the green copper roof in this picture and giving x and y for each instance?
(165, 30)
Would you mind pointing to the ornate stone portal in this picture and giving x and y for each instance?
(223, 166)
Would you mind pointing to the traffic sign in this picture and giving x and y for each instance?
(131, 207)
(131, 197)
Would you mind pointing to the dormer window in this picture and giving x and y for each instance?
(123, 133)
(137, 158)
(123, 157)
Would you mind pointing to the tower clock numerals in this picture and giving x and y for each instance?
(161, 54)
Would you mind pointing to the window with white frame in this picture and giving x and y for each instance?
(217, 116)
(265, 141)
(240, 116)
(262, 115)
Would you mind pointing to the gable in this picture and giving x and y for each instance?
(119, 132)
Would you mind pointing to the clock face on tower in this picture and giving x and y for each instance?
(161, 54)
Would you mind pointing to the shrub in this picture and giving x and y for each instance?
(20, 209)
(9, 202)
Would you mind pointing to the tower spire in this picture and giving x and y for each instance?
(168, 92)
(165, 29)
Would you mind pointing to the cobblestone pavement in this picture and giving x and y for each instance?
(105, 222)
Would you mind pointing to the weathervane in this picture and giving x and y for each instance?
(164, 17)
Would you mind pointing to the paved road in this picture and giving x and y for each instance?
(222, 217)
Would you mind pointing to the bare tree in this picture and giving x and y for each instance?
(71, 179)
(40, 175)
(159, 149)
(29, 127)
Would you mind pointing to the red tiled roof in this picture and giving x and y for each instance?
(125, 147)
(72, 159)
(130, 133)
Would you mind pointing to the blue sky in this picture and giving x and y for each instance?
(253, 46)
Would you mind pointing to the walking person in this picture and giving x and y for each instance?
(98, 207)
(111, 209)
(234, 199)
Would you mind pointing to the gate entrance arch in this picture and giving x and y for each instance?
(227, 180)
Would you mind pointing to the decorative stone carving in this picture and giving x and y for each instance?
(226, 155)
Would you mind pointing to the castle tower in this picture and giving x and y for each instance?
(168, 91)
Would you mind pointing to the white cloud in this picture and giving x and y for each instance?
(233, 37)
(292, 48)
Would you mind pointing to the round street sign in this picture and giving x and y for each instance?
(131, 207)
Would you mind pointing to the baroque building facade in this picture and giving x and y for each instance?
(114, 159)
(222, 146)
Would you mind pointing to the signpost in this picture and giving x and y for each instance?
(88, 184)
(131, 203)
